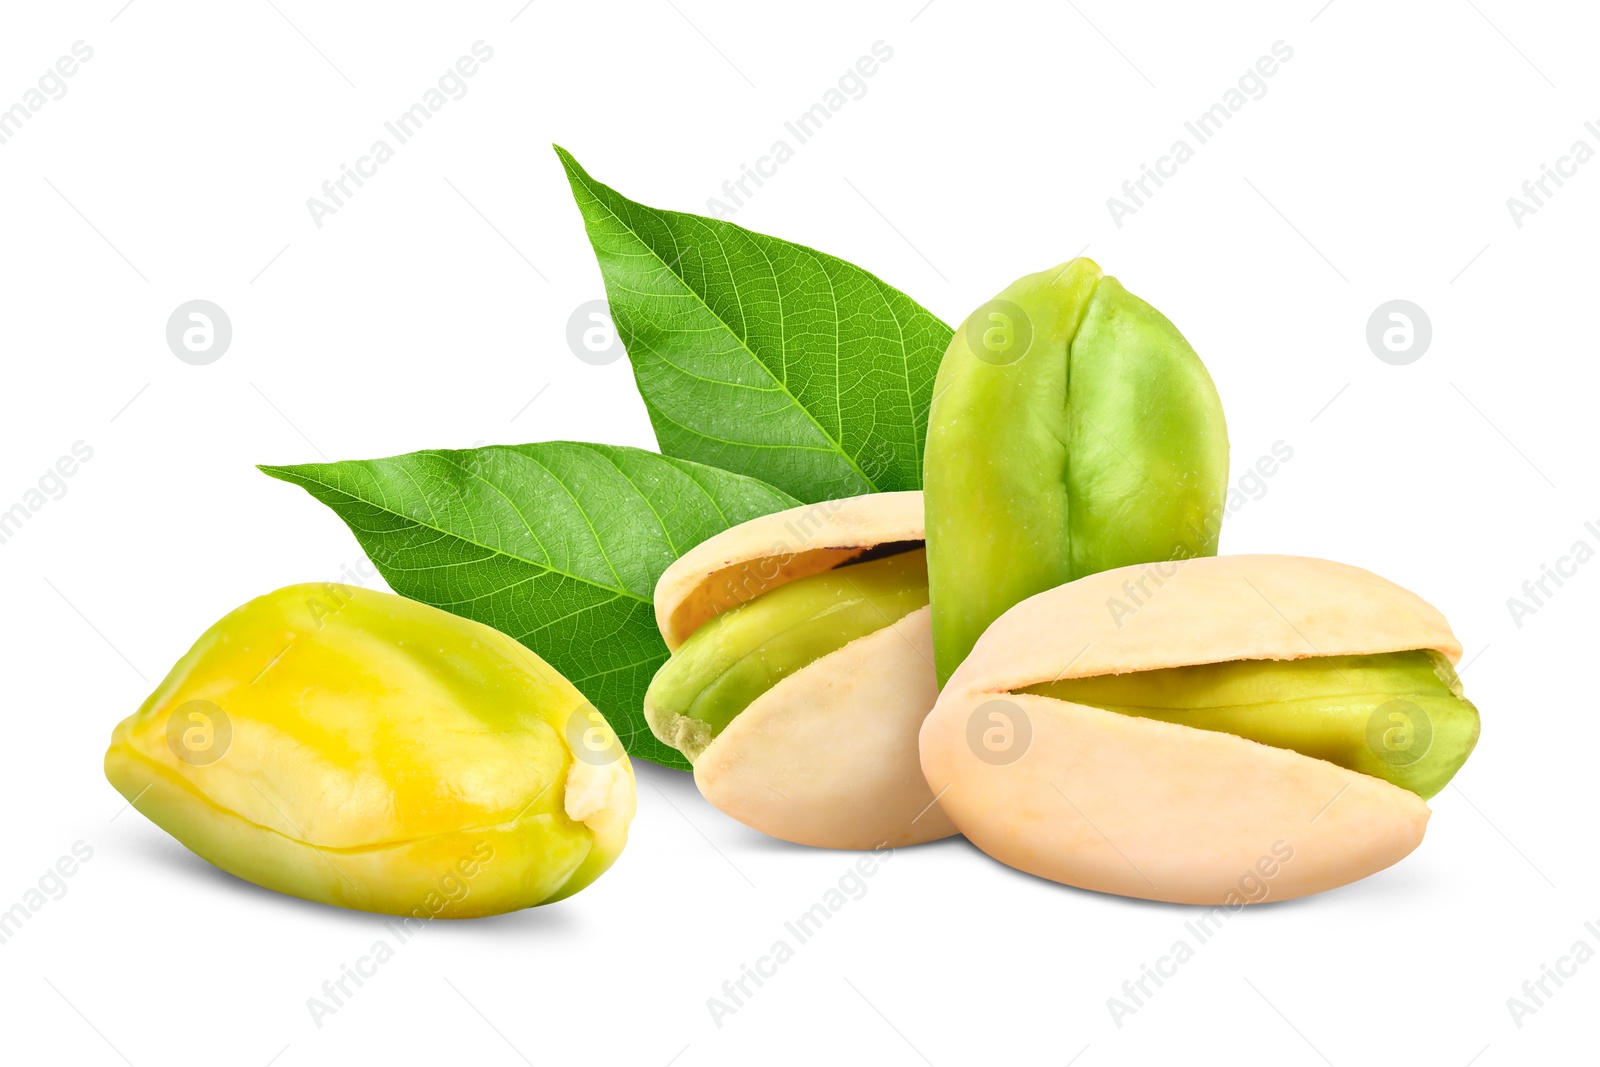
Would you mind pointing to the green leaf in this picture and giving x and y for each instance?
(558, 545)
(765, 357)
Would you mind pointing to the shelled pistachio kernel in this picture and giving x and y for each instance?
(1073, 430)
(364, 750)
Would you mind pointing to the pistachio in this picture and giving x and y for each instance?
(1248, 702)
(1073, 430)
(802, 668)
(1326, 707)
(739, 655)
(363, 750)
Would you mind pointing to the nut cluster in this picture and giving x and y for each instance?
(882, 670)
(893, 669)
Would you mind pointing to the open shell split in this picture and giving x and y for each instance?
(1144, 808)
(828, 756)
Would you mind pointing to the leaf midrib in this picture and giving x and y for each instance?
(583, 177)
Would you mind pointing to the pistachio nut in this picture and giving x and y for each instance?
(801, 670)
(1073, 430)
(1247, 708)
(364, 750)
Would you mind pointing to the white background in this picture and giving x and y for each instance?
(432, 308)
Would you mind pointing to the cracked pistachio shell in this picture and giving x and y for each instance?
(1145, 808)
(367, 751)
(1073, 430)
(827, 756)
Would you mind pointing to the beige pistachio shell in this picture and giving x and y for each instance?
(829, 756)
(741, 563)
(1151, 809)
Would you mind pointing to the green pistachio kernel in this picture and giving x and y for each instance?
(1073, 430)
(1399, 716)
(736, 657)
(363, 750)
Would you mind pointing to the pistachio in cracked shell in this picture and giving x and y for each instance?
(1249, 709)
(801, 670)
(364, 750)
